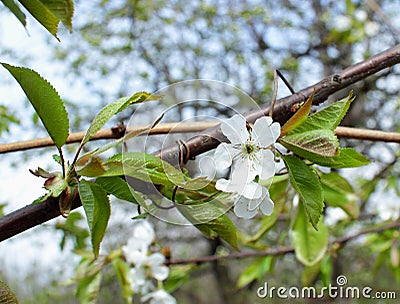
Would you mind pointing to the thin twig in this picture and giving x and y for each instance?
(365, 134)
(107, 134)
(278, 251)
(285, 82)
(344, 132)
(273, 101)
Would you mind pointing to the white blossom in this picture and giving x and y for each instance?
(342, 23)
(360, 15)
(249, 156)
(145, 266)
(159, 297)
(139, 282)
(138, 246)
(371, 28)
(248, 153)
(155, 264)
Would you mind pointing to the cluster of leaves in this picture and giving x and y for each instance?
(312, 138)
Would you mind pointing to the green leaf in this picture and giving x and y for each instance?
(299, 117)
(42, 14)
(63, 9)
(119, 188)
(14, 8)
(328, 118)
(305, 181)
(42, 198)
(255, 271)
(112, 109)
(321, 142)
(122, 271)
(339, 193)
(88, 288)
(56, 185)
(310, 245)
(346, 158)
(267, 222)
(7, 296)
(93, 167)
(46, 101)
(145, 167)
(97, 208)
(211, 220)
(310, 273)
(178, 276)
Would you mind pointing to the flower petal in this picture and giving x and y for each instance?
(143, 232)
(244, 170)
(159, 296)
(235, 129)
(241, 209)
(254, 203)
(156, 259)
(266, 158)
(223, 185)
(267, 205)
(252, 190)
(160, 273)
(223, 155)
(248, 190)
(276, 130)
(263, 133)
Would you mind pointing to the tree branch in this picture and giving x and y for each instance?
(283, 109)
(33, 215)
(183, 127)
(278, 251)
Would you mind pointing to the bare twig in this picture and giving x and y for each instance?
(365, 134)
(278, 251)
(183, 127)
(33, 215)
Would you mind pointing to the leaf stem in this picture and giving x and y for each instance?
(62, 161)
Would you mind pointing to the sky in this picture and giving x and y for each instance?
(19, 187)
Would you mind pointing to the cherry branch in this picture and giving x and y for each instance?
(33, 215)
(211, 138)
(182, 127)
(278, 251)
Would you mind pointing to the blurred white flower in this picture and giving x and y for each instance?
(155, 266)
(159, 297)
(138, 246)
(342, 23)
(360, 15)
(248, 152)
(389, 209)
(139, 282)
(371, 28)
(334, 215)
